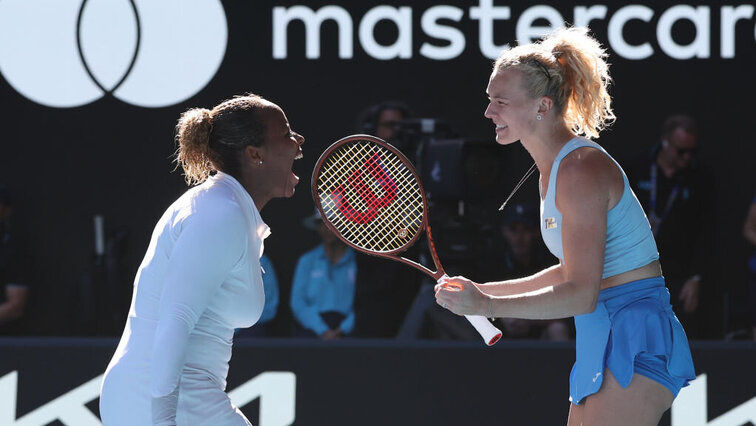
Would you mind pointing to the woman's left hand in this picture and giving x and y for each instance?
(460, 295)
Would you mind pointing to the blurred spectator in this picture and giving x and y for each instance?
(749, 231)
(384, 119)
(14, 289)
(385, 289)
(322, 292)
(678, 197)
(384, 292)
(524, 254)
(263, 326)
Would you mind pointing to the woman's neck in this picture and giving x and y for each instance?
(254, 186)
(545, 147)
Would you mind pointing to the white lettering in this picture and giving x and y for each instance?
(449, 42)
(312, 21)
(700, 46)
(690, 409)
(276, 390)
(584, 15)
(731, 15)
(402, 47)
(70, 408)
(617, 39)
(527, 32)
(487, 13)
(430, 25)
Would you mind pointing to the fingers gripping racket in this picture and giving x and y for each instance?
(369, 194)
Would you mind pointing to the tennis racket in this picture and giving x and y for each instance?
(370, 196)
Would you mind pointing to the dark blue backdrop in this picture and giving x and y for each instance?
(111, 157)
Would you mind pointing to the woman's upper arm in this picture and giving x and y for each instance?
(203, 255)
(583, 194)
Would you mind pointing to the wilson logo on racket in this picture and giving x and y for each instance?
(357, 184)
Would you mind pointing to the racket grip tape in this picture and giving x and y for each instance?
(488, 331)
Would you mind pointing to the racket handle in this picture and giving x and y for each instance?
(483, 326)
(488, 331)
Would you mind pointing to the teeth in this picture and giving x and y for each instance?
(501, 126)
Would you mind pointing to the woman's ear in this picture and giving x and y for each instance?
(253, 155)
(545, 105)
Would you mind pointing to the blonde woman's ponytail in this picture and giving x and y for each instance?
(585, 80)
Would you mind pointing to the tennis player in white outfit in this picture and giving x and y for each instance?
(201, 277)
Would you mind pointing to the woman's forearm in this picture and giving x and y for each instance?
(562, 300)
(547, 277)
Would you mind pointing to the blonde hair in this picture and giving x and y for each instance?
(570, 67)
(193, 137)
(211, 140)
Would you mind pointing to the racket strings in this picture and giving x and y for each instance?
(362, 189)
(339, 168)
(369, 233)
(370, 196)
(401, 213)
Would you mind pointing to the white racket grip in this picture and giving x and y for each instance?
(483, 326)
(488, 331)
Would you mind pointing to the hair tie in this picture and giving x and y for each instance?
(558, 57)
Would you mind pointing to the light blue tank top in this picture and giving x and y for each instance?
(629, 241)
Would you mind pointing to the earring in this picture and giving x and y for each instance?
(538, 117)
(259, 162)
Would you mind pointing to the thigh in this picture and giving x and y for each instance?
(124, 397)
(641, 403)
(202, 403)
(575, 417)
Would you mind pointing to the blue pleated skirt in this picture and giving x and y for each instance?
(632, 330)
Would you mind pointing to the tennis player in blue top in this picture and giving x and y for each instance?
(632, 353)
